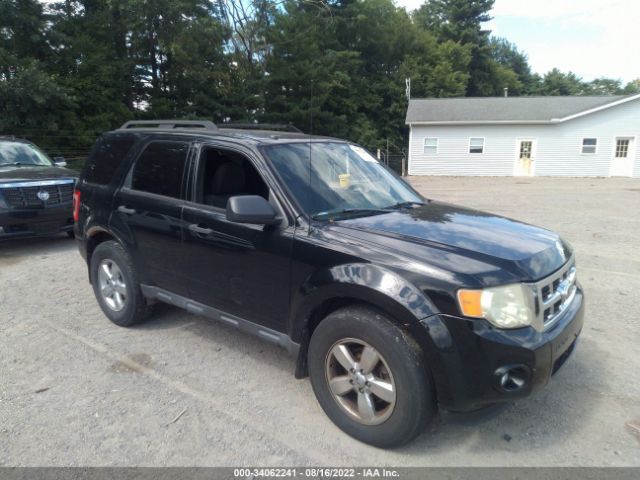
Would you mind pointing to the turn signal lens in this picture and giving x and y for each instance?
(76, 205)
(470, 302)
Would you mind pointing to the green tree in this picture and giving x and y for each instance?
(556, 82)
(507, 55)
(32, 102)
(177, 50)
(309, 77)
(23, 29)
(343, 67)
(91, 61)
(605, 86)
(461, 21)
(632, 87)
(71, 69)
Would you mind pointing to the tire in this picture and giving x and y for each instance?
(400, 416)
(132, 308)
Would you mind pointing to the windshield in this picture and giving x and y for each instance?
(340, 179)
(18, 153)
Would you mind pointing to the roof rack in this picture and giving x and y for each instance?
(262, 126)
(169, 124)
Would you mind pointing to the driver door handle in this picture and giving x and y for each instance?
(126, 210)
(194, 227)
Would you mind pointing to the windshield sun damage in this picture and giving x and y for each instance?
(18, 153)
(340, 179)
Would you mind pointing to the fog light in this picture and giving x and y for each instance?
(1, 229)
(512, 378)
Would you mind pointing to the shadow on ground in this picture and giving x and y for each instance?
(526, 423)
(16, 251)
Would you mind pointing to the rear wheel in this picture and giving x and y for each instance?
(116, 286)
(370, 377)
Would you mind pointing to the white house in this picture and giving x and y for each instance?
(554, 136)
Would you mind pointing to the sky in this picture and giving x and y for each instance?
(591, 38)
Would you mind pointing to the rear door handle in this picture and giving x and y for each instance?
(194, 227)
(128, 211)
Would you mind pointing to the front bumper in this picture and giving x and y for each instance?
(33, 222)
(471, 356)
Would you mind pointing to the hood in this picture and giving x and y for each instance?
(529, 252)
(24, 174)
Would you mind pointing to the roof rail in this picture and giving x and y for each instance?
(169, 124)
(262, 126)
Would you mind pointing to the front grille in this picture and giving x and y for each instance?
(555, 294)
(27, 196)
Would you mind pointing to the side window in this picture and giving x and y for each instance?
(106, 156)
(430, 146)
(476, 145)
(225, 173)
(160, 167)
(589, 145)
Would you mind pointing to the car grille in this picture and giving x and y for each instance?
(27, 196)
(556, 292)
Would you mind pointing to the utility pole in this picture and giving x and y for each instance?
(387, 151)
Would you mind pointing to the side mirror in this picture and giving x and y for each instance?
(251, 209)
(59, 162)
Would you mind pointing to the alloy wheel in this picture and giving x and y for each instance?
(361, 382)
(113, 288)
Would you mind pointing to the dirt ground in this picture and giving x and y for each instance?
(184, 390)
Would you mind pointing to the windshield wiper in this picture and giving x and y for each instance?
(349, 211)
(18, 164)
(404, 205)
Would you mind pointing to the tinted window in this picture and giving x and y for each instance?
(107, 155)
(159, 168)
(225, 173)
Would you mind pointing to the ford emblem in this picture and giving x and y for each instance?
(43, 195)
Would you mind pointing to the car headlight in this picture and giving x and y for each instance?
(508, 306)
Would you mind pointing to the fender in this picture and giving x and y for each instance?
(93, 228)
(376, 286)
(359, 281)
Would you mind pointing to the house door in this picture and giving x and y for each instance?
(525, 157)
(623, 153)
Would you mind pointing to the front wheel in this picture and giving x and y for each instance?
(370, 377)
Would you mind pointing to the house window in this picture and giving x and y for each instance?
(430, 146)
(589, 145)
(476, 145)
(526, 148)
(622, 147)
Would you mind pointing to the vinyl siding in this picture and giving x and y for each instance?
(557, 151)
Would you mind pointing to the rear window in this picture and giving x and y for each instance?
(159, 168)
(107, 155)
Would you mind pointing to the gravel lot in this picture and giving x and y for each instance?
(77, 390)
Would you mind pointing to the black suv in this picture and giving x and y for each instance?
(35, 192)
(394, 304)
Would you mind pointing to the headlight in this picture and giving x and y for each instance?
(509, 306)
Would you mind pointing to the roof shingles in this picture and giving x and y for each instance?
(501, 109)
